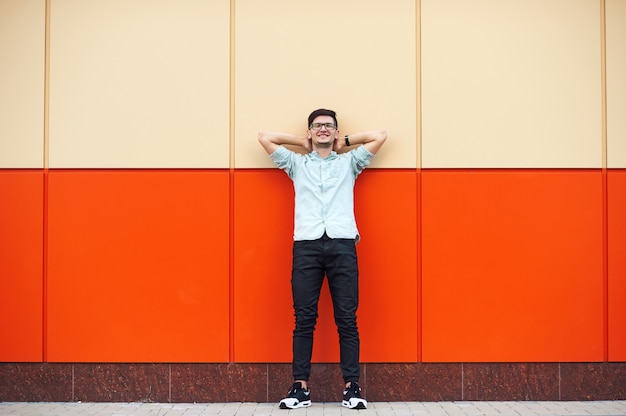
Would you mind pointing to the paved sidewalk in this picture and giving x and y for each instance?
(596, 408)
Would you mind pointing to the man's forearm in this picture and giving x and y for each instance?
(271, 140)
(372, 140)
(282, 138)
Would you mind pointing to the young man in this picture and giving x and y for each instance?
(325, 235)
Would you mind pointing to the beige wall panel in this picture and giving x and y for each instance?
(22, 54)
(356, 57)
(139, 83)
(616, 82)
(512, 83)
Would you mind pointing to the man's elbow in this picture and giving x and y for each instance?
(381, 136)
(263, 137)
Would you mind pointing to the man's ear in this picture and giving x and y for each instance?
(308, 134)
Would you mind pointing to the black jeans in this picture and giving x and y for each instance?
(337, 259)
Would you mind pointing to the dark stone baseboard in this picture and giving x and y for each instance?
(268, 382)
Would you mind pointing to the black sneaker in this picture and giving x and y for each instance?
(352, 397)
(296, 398)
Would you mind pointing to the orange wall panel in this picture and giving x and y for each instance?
(512, 266)
(386, 209)
(263, 235)
(21, 265)
(617, 264)
(138, 266)
(263, 217)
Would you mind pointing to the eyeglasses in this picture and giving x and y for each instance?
(317, 126)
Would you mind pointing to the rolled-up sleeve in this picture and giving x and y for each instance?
(283, 159)
(361, 158)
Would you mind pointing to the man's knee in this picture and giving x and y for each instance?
(346, 324)
(305, 323)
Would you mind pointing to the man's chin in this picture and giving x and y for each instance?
(325, 145)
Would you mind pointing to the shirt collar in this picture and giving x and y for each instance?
(316, 155)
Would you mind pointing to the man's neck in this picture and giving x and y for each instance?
(323, 151)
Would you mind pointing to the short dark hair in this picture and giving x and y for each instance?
(322, 112)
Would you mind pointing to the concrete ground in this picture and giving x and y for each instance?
(596, 408)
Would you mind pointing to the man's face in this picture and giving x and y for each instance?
(323, 131)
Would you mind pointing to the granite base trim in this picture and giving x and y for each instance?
(268, 382)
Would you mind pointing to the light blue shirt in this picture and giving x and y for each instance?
(324, 190)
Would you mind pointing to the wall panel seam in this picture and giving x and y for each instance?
(605, 204)
(418, 82)
(231, 190)
(46, 86)
(46, 162)
(418, 131)
(603, 91)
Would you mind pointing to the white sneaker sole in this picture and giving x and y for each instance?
(355, 403)
(293, 404)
